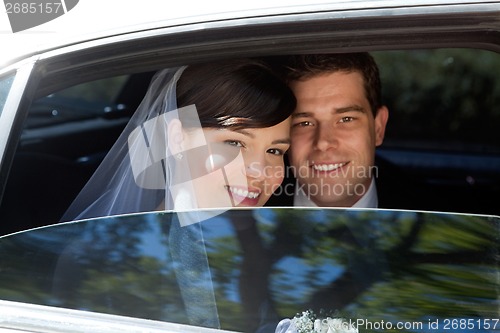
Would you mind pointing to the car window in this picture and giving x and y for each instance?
(246, 270)
(442, 100)
(441, 135)
(5, 84)
(442, 130)
(64, 139)
(88, 100)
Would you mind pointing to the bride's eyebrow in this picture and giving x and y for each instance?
(286, 141)
(244, 132)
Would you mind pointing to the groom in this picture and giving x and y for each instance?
(338, 123)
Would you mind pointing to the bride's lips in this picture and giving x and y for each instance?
(243, 195)
(327, 167)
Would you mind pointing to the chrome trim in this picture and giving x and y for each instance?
(11, 106)
(354, 10)
(46, 319)
(338, 10)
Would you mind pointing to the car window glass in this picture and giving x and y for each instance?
(84, 101)
(64, 139)
(445, 99)
(5, 84)
(245, 270)
(441, 134)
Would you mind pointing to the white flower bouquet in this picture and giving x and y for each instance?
(307, 322)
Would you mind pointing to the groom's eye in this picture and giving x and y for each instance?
(346, 119)
(303, 124)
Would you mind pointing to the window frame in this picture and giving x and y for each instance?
(335, 28)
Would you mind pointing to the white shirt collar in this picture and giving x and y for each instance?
(369, 200)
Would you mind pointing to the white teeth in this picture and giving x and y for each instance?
(328, 167)
(243, 193)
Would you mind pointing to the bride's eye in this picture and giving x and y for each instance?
(234, 143)
(275, 151)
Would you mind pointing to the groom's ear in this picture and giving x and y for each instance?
(175, 136)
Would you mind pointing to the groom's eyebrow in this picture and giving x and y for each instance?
(301, 114)
(356, 108)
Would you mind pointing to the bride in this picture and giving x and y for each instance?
(205, 136)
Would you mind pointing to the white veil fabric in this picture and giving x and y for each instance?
(140, 174)
(135, 174)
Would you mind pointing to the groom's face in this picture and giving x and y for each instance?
(334, 135)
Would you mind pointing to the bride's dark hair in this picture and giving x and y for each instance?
(240, 93)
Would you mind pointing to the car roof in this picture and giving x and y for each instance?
(95, 19)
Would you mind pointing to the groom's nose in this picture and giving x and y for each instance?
(326, 137)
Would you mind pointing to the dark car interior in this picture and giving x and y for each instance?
(441, 138)
(61, 146)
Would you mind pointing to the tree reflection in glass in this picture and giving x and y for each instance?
(260, 266)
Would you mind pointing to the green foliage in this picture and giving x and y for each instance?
(444, 98)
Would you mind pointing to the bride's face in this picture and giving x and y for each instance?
(243, 167)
